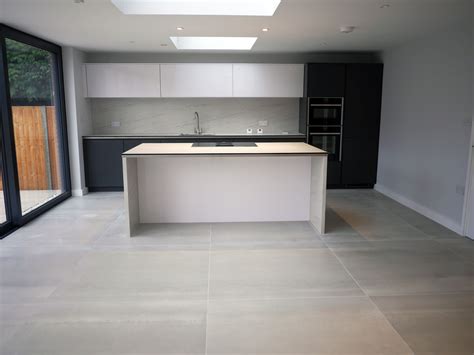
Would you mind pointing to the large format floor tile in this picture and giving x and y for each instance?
(278, 273)
(338, 325)
(264, 235)
(108, 328)
(158, 275)
(433, 324)
(405, 267)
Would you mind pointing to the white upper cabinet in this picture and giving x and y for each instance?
(196, 80)
(268, 80)
(122, 80)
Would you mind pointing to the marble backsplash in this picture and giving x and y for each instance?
(175, 115)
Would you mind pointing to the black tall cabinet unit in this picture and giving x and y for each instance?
(360, 84)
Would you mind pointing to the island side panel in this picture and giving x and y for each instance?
(318, 192)
(132, 208)
(184, 189)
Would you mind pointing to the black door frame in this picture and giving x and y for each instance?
(10, 171)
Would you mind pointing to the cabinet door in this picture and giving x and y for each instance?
(362, 106)
(326, 80)
(359, 162)
(268, 80)
(103, 163)
(363, 99)
(196, 80)
(122, 80)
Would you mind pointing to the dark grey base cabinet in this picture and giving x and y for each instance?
(103, 164)
(103, 157)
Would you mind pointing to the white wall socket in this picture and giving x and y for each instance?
(249, 130)
(263, 123)
(115, 124)
(260, 131)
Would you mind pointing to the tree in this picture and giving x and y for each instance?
(29, 73)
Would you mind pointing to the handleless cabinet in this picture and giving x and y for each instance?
(268, 80)
(326, 80)
(122, 80)
(196, 80)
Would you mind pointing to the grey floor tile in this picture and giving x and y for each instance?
(126, 275)
(156, 236)
(337, 325)
(462, 247)
(400, 267)
(278, 273)
(264, 235)
(433, 324)
(113, 329)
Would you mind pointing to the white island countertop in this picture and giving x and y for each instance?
(188, 149)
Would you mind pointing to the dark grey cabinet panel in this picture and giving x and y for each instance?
(325, 80)
(362, 106)
(103, 164)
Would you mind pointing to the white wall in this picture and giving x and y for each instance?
(426, 124)
(78, 113)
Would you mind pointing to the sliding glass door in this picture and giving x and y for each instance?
(33, 127)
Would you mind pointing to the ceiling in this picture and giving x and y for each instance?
(297, 26)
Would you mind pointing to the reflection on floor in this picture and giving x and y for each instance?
(30, 199)
(384, 280)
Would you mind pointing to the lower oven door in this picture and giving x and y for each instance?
(330, 142)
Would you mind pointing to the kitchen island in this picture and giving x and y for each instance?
(242, 182)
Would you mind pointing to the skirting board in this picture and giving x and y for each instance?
(425, 211)
(80, 192)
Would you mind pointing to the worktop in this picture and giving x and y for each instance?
(283, 148)
(197, 137)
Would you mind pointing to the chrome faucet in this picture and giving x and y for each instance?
(197, 127)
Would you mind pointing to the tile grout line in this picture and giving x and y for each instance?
(370, 299)
(208, 288)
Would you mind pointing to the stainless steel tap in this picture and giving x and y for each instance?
(197, 127)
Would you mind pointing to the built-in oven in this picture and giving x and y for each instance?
(325, 125)
(331, 142)
(325, 111)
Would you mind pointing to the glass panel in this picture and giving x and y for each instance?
(328, 143)
(30, 72)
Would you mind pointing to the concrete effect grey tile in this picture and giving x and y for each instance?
(337, 325)
(156, 236)
(278, 273)
(264, 235)
(336, 225)
(462, 247)
(158, 275)
(432, 324)
(404, 267)
(167, 336)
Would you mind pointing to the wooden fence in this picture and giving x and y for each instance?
(36, 145)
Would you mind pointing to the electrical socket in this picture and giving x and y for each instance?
(263, 123)
(115, 124)
(249, 130)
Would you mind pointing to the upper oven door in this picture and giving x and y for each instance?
(325, 112)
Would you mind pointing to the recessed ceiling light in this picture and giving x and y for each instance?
(198, 7)
(347, 29)
(265, 29)
(180, 28)
(214, 43)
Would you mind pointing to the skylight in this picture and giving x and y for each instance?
(214, 43)
(198, 7)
